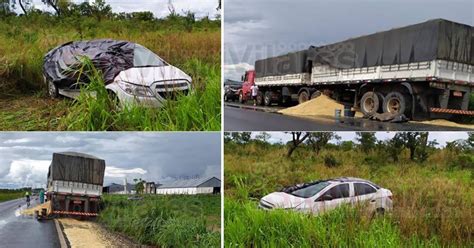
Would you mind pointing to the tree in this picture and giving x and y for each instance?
(263, 137)
(367, 141)
(100, 9)
(297, 139)
(318, 140)
(241, 137)
(394, 147)
(417, 143)
(139, 185)
(55, 4)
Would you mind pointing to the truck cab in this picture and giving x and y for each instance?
(248, 81)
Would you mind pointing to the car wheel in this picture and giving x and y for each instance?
(53, 90)
(268, 98)
(241, 97)
(395, 103)
(303, 97)
(369, 103)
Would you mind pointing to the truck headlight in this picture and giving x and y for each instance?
(135, 90)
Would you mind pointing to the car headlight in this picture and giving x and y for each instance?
(136, 90)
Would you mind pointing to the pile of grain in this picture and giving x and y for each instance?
(31, 211)
(83, 234)
(319, 106)
(446, 123)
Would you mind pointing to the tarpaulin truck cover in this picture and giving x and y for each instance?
(77, 167)
(427, 41)
(108, 56)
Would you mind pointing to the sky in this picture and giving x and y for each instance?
(26, 156)
(159, 8)
(260, 29)
(440, 137)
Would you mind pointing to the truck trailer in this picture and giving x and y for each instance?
(75, 184)
(422, 71)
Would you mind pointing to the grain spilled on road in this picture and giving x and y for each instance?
(319, 106)
(83, 234)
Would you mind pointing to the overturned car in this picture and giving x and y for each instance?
(323, 195)
(131, 72)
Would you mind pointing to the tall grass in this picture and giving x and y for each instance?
(165, 221)
(6, 195)
(432, 201)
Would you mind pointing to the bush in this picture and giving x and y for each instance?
(463, 161)
(331, 161)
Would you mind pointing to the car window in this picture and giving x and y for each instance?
(310, 190)
(363, 189)
(144, 57)
(338, 191)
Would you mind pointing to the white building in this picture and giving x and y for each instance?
(209, 185)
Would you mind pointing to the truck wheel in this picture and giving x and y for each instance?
(53, 90)
(303, 97)
(268, 98)
(395, 103)
(369, 103)
(259, 98)
(241, 97)
(315, 94)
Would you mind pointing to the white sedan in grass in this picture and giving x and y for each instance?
(323, 195)
(131, 72)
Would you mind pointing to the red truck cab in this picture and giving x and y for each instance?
(246, 91)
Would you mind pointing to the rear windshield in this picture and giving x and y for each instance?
(143, 57)
(310, 190)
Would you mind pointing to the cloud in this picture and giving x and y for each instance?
(17, 141)
(111, 171)
(26, 172)
(236, 71)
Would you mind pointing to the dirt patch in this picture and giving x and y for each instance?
(320, 106)
(85, 234)
(31, 211)
(446, 123)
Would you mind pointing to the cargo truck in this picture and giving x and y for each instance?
(75, 184)
(423, 71)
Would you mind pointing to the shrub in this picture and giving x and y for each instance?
(331, 161)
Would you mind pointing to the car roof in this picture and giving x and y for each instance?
(353, 179)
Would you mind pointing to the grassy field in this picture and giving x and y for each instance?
(432, 200)
(165, 221)
(195, 48)
(6, 194)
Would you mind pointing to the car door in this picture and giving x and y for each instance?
(365, 193)
(338, 194)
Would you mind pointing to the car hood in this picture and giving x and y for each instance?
(148, 75)
(281, 200)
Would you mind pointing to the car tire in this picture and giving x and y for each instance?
(267, 98)
(395, 103)
(53, 90)
(369, 103)
(303, 97)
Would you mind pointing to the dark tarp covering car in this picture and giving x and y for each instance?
(77, 167)
(108, 56)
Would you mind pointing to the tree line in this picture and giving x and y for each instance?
(417, 143)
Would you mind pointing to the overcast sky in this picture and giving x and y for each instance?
(440, 137)
(26, 156)
(159, 8)
(259, 29)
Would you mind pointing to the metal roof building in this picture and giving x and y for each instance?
(207, 185)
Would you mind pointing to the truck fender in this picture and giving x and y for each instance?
(305, 89)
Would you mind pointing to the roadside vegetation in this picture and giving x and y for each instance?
(11, 194)
(165, 221)
(181, 39)
(433, 190)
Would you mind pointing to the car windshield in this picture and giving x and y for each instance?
(143, 57)
(310, 190)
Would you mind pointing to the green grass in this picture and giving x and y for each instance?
(165, 221)
(23, 99)
(432, 200)
(6, 195)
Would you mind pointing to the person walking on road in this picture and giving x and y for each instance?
(254, 89)
(27, 195)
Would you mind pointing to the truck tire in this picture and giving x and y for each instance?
(395, 103)
(267, 98)
(53, 90)
(315, 94)
(303, 97)
(369, 103)
(241, 97)
(259, 98)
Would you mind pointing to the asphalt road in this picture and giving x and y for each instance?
(242, 119)
(24, 231)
